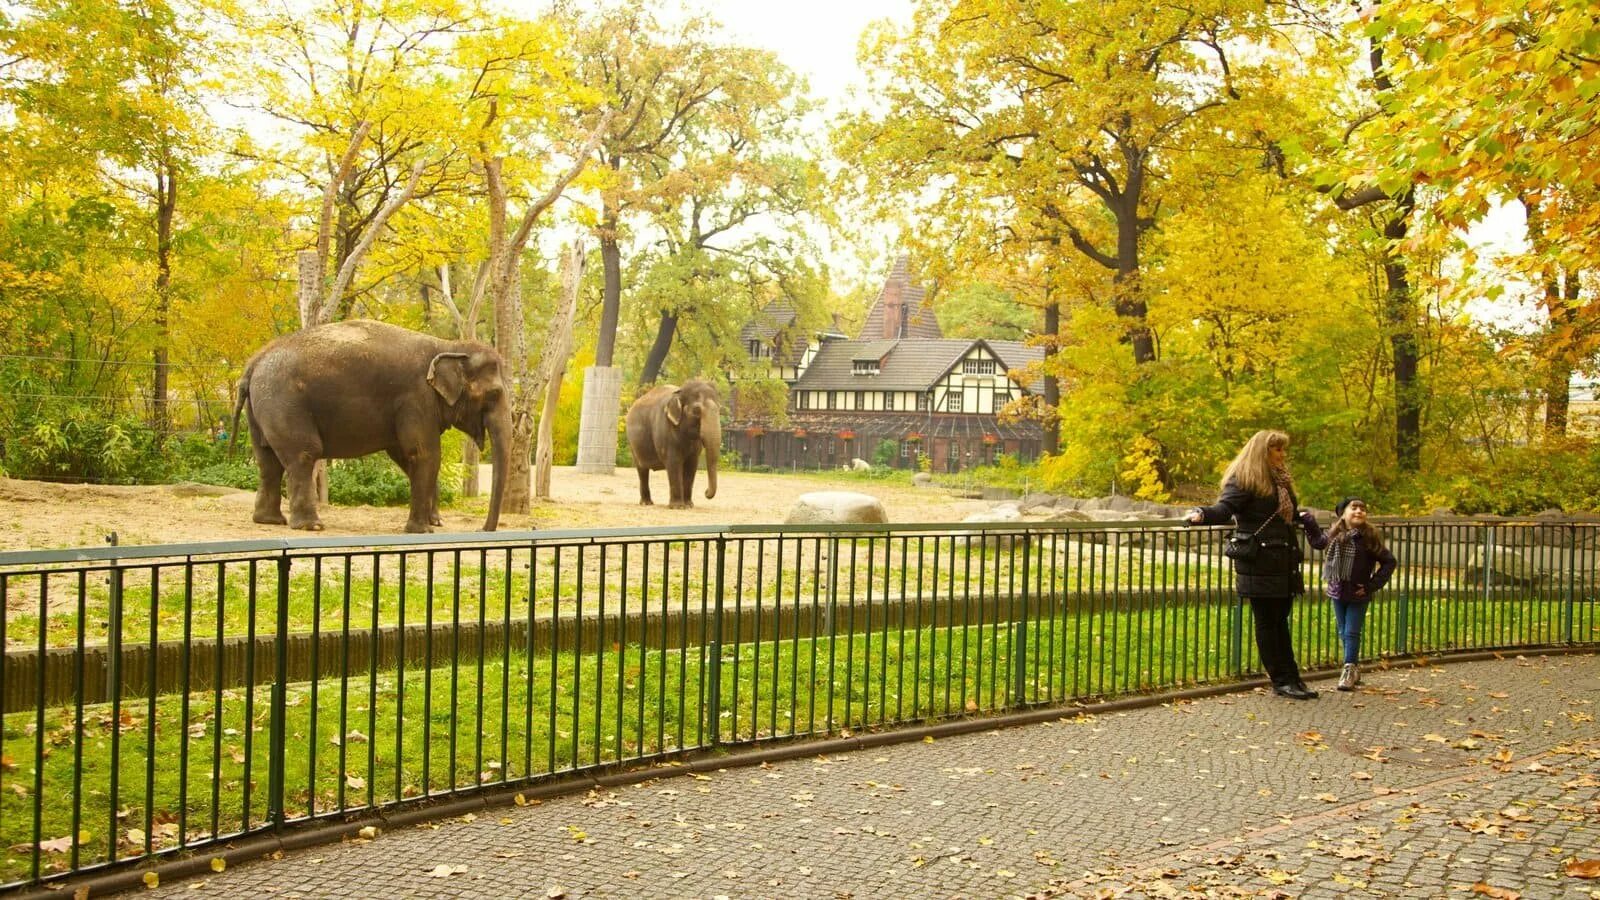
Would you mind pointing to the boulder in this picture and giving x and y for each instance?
(1037, 502)
(860, 465)
(836, 508)
(1501, 567)
(922, 479)
(1001, 513)
(1068, 515)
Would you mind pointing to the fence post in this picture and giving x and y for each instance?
(280, 676)
(1019, 643)
(1572, 575)
(715, 704)
(1236, 635)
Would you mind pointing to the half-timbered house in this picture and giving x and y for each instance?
(898, 381)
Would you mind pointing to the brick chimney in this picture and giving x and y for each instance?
(894, 310)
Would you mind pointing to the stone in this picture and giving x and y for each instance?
(835, 508)
(860, 465)
(1002, 513)
(922, 479)
(1037, 501)
(1501, 567)
(1068, 515)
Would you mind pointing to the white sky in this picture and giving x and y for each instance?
(816, 38)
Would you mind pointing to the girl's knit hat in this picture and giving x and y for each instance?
(1339, 510)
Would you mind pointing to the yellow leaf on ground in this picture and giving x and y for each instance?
(152, 880)
(1489, 890)
(218, 864)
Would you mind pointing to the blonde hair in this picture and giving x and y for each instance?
(1250, 469)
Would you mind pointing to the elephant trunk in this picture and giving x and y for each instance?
(499, 421)
(711, 439)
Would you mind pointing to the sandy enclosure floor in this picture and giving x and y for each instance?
(38, 515)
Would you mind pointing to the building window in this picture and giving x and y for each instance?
(908, 449)
(924, 400)
(952, 401)
(977, 367)
(861, 400)
(864, 367)
(888, 401)
(800, 399)
(833, 400)
(1001, 398)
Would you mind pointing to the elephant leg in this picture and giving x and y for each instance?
(686, 480)
(644, 486)
(675, 483)
(429, 501)
(303, 491)
(269, 493)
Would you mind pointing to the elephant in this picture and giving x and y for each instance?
(668, 426)
(347, 389)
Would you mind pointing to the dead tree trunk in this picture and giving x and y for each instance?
(553, 368)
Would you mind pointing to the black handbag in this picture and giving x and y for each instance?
(1244, 546)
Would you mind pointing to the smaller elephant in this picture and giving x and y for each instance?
(667, 428)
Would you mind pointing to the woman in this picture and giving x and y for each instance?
(1258, 497)
(1355, 566)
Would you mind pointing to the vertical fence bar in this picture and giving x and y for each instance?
(1019, 642)
(714, 705)
(280, 681)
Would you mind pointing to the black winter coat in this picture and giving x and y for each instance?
(1275, 571)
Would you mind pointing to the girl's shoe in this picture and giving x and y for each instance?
(1349, 677)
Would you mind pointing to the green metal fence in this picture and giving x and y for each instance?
(171, 698)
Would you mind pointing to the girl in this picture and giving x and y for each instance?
(1355, 566)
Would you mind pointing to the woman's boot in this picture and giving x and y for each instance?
(1349, 677)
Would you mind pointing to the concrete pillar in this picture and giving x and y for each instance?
(597, 423)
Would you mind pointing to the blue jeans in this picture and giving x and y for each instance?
(1347, 618)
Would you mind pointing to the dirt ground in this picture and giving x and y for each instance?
(37, 515)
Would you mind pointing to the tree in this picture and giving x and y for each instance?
(111, 82)
(1019, 109)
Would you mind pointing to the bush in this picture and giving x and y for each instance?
(78, 443)
(376, 481)
(886, 454)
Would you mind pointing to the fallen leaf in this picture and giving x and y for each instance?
(554, 893)
(1499, 695)
(1490, 890)
(218, 864)
(355, 783)
(1327, 798)
(1436, 738)
(1583, 868)
(369, 832)
(152, 880)
(1361, 776)
(445, 870)
(55, 845)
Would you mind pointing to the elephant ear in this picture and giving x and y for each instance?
(448, 376)
(674, 408)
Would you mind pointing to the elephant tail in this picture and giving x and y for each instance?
(239, 405)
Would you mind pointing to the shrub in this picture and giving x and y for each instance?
(886, 454)
(78, 443)
(376, 481)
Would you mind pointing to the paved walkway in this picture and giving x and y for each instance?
(1424, 783)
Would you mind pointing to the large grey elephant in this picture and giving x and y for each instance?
(667, 428)
(352, 388)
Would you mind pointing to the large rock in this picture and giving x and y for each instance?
(1502, 566)
(922, 479)
(860, 465)
(1037, 502)
(836, 508)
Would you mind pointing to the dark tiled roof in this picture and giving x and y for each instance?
(910, 365)
(873, 350)
(920, 322)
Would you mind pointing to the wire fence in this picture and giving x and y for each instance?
(168, 699)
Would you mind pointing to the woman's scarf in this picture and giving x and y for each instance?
(1285, 488)
(1339, 559)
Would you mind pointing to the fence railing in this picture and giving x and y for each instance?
(171, 698)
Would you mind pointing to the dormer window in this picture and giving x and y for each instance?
(977, 367)
(864, 367)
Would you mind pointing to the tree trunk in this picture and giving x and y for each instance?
(166, 206)
(611, 292)
(1400, 317)
(1130, 290)
(1052, 385)
(553, 369)
(658, 350)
